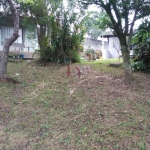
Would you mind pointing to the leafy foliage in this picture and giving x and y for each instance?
(141, 57)
(141, 46)
(60, 31)
(90, 50)
(142, 33)
(74, 56)
(96, 23)
(104, 21)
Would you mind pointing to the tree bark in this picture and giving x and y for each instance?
(126, 60)
(8, 42)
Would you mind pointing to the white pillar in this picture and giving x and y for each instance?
(105, 52)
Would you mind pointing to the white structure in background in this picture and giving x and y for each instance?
(109, 45)
(113, 48)
(23, 45)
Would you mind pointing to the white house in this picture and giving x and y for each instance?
(109, 45)
(23, 45)
(113, 48)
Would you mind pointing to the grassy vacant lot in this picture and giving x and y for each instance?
(48, 111)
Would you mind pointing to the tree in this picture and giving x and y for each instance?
(59, 30)
(37, 14)
(42, 17)
(123, 14)
(9, 4)
(92, 22)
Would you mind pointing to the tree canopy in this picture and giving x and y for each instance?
(59, 30)
(123, 14)
(96, 23)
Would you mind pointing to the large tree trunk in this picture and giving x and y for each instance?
(8, 42)
(126, 60)
(41, 36)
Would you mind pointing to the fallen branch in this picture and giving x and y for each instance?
(34, 93)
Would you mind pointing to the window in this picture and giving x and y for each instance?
(6, 32)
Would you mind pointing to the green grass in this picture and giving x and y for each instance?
(48, 111)
(103, 61)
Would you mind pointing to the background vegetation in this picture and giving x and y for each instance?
(60, 31)
(141, 47)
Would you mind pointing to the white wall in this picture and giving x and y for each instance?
(114, 46)
(31, 44)
(105, 49)
(109, 47)
(92, 44)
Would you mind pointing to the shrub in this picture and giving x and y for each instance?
(141, 57)
(90, 51)
(74, 56)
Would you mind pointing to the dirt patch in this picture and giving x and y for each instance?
(9, 80)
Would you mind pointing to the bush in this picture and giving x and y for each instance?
(90, 51)
(141, 57)
(46, 54)
(74, 56)
(64, 32)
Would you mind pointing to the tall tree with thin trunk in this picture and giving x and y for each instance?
(8, 42)
(123, 14)
(38, 13)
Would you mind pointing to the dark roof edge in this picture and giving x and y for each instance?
(108, 36)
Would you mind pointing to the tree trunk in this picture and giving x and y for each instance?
(126, 64)
(8, 42)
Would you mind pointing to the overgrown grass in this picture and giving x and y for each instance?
(48, 111)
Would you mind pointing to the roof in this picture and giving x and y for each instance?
(7, 19)
(108, 36)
